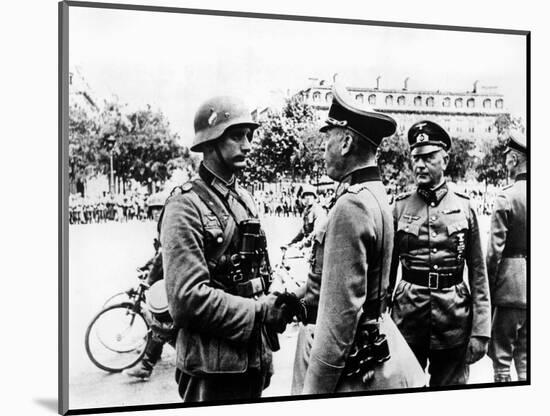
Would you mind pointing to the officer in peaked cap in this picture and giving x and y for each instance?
(506, 267)
(444, 320)
(428, 137)
(216, 294)
(347, 284)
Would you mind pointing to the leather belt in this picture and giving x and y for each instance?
(432, 280)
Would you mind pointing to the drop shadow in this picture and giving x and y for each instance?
(50, 404)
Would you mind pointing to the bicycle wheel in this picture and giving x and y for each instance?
(120, 297)
(116, 337)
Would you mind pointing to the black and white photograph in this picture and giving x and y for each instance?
(266, 206)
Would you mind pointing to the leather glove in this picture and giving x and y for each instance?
(272, 314)
(477, 348)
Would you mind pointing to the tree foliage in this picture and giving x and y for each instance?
(287, 145)
(142, 144)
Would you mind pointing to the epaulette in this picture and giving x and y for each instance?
(403, 196)
(462, 195)
(507, 186)
(355, 189)
(181, 189)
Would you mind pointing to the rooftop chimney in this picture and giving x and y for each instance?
(405, 84)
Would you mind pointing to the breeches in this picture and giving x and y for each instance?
(509, 341)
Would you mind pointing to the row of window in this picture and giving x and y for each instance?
(417, 101)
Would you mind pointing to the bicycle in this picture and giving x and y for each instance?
(118, 335)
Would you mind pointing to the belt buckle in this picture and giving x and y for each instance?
(433, 277)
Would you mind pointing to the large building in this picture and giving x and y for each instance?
(468, 114)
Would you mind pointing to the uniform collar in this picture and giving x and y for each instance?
(220, 185)
(367, 174)
(434, 195)
(521, 176)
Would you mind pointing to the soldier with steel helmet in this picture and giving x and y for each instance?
(216, 267)
(348, 342)
(444, 317)
(313, 212)
(507, 267)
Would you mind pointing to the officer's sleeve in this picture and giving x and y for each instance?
(497, 238)
(342, 294)
(192, 302)
(477, 276)
(395, 255)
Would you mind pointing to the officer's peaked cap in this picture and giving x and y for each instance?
(428, 137)
(516, 141)
(370, 124)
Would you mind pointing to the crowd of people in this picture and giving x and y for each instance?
(112, 207)
(286, 203)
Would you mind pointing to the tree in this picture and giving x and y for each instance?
(83, 148)
(394, 162)
(461, 159)
(286, 145)
(143, 145)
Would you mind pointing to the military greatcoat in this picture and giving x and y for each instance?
(355, 270)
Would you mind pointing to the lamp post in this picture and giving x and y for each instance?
(111, 140)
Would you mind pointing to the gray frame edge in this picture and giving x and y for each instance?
(63, 209)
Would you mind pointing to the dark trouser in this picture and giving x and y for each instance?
(509, 342)
(248, 385)
(153, 350)
(447, 367)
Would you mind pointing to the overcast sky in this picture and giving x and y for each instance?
(175, 61)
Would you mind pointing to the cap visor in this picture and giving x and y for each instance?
(424, 150)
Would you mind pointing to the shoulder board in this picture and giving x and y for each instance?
(354, 189)
(178, 190)
(508, 186)
(461, 195)
(403, 196)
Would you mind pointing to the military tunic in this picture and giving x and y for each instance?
(358, 234)
(437, 234)
(506, 266)
(222, 352)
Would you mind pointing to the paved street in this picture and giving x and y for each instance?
(103, 259)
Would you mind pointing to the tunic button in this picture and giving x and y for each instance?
(434, 250)
(436, 267)
(219, 240)
(434, 234)
(432, 204)
(433, 218)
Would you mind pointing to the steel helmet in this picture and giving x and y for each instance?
(308, 189)
(217, 114)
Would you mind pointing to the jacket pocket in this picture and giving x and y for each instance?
(457, 226)
(210, 355)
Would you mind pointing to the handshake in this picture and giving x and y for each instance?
(279, 309)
